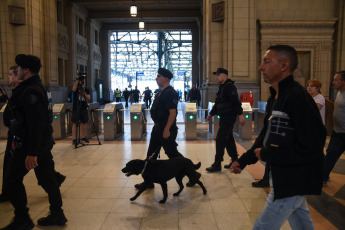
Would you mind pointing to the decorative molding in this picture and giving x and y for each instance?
(97, 56)
(82, 50)
(218, 12)
(297, 23)
(16, 15)
(63, 41)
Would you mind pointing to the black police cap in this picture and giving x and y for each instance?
(30, 62)
(166, 73)
(221, 70)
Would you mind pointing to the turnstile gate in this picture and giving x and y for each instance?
(138, 121)
(213, 124)
(245, 132)
(190, 120)
(112, 120)
(59, 121)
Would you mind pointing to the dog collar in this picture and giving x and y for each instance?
(144, 167)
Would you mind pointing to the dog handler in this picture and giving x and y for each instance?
(163, 113)
(32, 142)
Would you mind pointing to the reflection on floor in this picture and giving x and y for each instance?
(96, 193)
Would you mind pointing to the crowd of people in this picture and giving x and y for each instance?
(291, 142)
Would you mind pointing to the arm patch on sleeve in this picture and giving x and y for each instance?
(175, 101)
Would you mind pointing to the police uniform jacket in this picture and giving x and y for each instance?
(29, 119)
(165, 100)
(227, 102)
(292, 141)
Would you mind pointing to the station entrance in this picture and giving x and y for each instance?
(136, 57)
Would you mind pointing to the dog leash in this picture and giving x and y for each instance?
(149, 158)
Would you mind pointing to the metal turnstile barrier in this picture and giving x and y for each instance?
(93, 123)
(190, 120)
(214, 122)
(59, 121)
(260, 116)
(68, 118)
(3, 128)
(245, 132)
(138, 121)
(112, 120)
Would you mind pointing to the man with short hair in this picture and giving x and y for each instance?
(163, 113)
(194, 95)
(31, 146)
(336, 144)
(126, 95)
(13, 82)
(228, 107)
(291, 142)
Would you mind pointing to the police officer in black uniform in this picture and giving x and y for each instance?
(30, 117)
(163, 113)
(228, 107)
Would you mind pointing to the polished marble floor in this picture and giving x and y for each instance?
(96, 193)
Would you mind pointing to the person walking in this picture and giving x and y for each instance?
(163, 113)
(31, 146)
(228, 107)
(336, 144)
(291, 142)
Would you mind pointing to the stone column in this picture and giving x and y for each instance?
(231, 44)
(105, 73)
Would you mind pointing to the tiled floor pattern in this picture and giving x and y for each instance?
(96, 194)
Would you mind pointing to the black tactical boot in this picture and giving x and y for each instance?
(20, 223)
(53, 218)
(215, 167)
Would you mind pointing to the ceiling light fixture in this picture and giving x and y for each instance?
(133, 10)
(141, 25)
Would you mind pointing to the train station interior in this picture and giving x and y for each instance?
(120, 44)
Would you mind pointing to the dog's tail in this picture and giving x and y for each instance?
(197, 166)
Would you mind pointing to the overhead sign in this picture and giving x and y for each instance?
(180, 73)
(140, 73)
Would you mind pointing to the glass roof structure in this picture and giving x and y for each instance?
(136, 57)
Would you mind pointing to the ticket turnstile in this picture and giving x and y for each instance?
(93, 124)
(59, 121)
(138, 121)
(190, 120)
(3, 128)
(245, 132)
(213, 125)
(112, 120)
(259, 119)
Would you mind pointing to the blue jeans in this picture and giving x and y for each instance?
(335, 148)
(275, 213)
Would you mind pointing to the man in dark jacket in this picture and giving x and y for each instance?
(163, 113)
(291, 142)
(227, 106)
(194, 95)
(32, 140)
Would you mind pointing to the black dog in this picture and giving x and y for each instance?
(160, 171)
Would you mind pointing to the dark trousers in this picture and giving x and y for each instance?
(335, 148)
(126, 99)
(266, 176)
(5, 167)
(147, 103)
(15, 189)
(157, 141)
(118, 99)
(225, 139)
